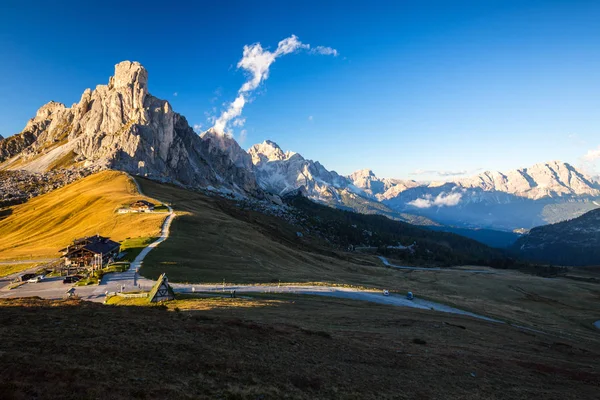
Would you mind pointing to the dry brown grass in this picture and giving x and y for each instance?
(45, 224)
(216, 241)
(298, 348)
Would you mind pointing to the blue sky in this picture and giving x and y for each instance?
(420, 89)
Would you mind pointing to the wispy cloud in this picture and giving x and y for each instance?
(441, 200)
(197, 128)
(443, 174)
(257, 61)
(175, 94)
(324, 51)
(242, 137)
(310, 118)
(592, 155)
(589, 163)
(239, 122)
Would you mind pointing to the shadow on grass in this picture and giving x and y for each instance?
(134, 246)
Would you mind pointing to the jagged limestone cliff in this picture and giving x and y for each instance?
(122, 126)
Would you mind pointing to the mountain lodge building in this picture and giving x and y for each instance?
(91, 251)
(142, 206)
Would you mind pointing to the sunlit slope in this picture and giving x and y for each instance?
(45, 224)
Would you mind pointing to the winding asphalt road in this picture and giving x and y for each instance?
(478, 271)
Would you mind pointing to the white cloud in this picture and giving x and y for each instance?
(198, 128)
(256, 61)
(442, 199)
(589, 163)
(239, 122)
(242, 137)
(592, 155)
(175, 94)
(440, 173)
(310, 117)
(324, 51)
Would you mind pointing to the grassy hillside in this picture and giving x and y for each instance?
(574, 242)
(280, 347)
(213, 239)
(344, 228)
(489, 237)
(47, 223)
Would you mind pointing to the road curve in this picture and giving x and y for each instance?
(332, 291)
(479, 271)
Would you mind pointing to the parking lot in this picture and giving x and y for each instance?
(49, 288)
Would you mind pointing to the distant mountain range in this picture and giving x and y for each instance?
(122, 126)
(523, 198)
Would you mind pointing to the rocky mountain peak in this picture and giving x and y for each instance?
(265, 152)
(226, 144)
(128, 75)
(122, 126)
(362, 174)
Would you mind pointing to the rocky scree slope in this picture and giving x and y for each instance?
(122, 126)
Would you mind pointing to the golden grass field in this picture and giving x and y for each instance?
(45, 224)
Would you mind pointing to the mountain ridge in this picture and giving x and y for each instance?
(573, 242)
(122, 126)
(480, 201)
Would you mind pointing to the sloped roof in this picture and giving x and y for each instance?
(161, 290)
(141, 203)
(103, 246)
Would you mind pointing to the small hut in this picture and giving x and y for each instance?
(161, 291)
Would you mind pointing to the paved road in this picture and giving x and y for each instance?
(53, 288)
(479, 271)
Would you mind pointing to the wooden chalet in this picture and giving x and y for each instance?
(90, 251)
(142, 206)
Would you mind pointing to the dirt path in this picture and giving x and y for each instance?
(130, 279)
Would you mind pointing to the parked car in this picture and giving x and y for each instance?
(386, 292)
(36, 279)
(72, 279)
(26, 277)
